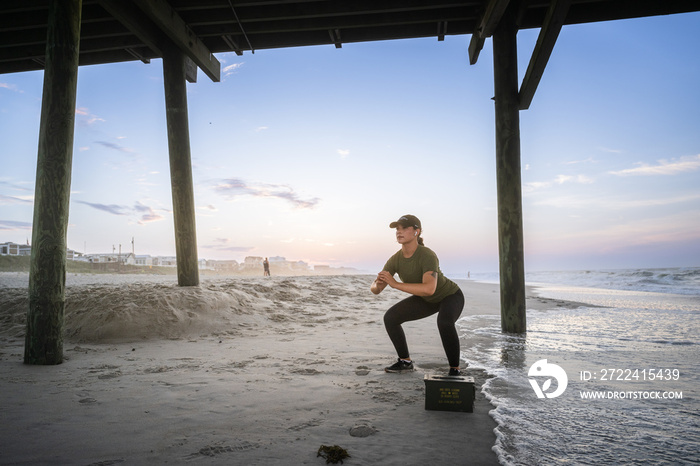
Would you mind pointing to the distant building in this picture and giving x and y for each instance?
(14, 249)
(167, 261)
(301, 265)
(282, 263)
(144, 260)
(72, 255)
(252, 263)
(110, 258)
(223, 266)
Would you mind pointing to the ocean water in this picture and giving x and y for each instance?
(619, 380)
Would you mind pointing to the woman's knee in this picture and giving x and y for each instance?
(403, 311)
(388, 319)
(392, 317)
(445, 322)
(450, 310)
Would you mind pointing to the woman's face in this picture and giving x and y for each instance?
(406, 234)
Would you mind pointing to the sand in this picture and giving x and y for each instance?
(236, 371)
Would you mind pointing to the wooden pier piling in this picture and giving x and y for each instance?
(174, 70)
(47, 276)
(510, 211)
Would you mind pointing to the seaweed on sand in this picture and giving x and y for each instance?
(333, 454)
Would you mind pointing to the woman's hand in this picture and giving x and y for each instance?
(426, 288)
(379, 283)
(387, 278)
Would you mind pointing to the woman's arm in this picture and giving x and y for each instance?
(426, 288)
(377, 286)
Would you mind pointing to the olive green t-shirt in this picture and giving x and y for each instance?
(411, 270)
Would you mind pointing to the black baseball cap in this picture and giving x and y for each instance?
(406, 221)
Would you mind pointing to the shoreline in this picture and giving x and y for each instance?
(276, 369)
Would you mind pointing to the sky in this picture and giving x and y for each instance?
(309, 153)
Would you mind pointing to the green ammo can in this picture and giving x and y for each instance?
(449, 393)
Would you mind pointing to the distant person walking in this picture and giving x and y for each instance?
(266, 268)
(432, 293)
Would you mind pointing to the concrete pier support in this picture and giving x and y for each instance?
(180, 168)
(510, 215)
(47, 276)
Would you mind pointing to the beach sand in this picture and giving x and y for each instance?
(236, 371)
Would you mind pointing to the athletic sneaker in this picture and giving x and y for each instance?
(400, 366)
(454, 372)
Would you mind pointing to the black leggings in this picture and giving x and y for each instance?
(414, 308)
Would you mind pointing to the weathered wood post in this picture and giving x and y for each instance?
(180, 168)
(510, 215)
(47, 276)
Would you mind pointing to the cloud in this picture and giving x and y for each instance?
(235, 187)
(91, 119)
(232, 69)
(11, 87)
(112, 145)
(606, 203)
(652, 202)
(560, 179)
(664, 167)
(261, 128)
(610, 151)
(574, 162)
(138, 207)
(13, 225)
(7, 200)
(580, 179)
(110, 209)
(13, 186)
(236, 248)
(222, 244)
(149, 215)
(17, 199)
(94, 119)
(145, 214)
(535, 185)
(343, 153)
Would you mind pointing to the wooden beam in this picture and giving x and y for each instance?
(232, 44)
(138, 23)
(174, 69)
(442, 30)
(489, 20)
(335, 37)
(184, 38)
(553, 22)
(146, 30)
(508, 181)
(138, 56)
(47, 272)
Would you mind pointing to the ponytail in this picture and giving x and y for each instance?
(420, 241)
